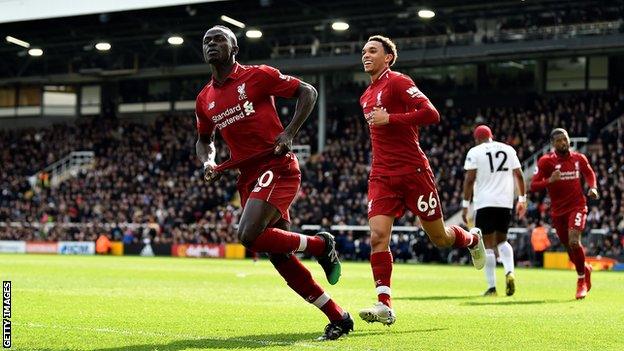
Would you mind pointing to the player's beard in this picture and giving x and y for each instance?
(563, 152)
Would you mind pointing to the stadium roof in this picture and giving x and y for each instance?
(140, 38)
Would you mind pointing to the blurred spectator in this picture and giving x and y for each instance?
(540, 243)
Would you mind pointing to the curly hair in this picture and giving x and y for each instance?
(388, 45)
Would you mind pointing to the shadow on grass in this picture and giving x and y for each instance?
(248, 341)
(286, 340)
(514, 302)
(435, 298)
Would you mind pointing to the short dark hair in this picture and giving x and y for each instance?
(556, 132)
(388, 45)
(227, 31)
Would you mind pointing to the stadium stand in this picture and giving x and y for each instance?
(147, 180)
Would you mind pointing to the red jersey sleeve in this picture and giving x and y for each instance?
(588, 172)
(420, 110)
(273, 82)
(540, 180)
(204, 124)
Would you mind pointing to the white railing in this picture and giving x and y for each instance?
(438, 40)
(67, 167)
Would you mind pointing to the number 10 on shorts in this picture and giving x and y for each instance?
(425, 205)
(264, 181)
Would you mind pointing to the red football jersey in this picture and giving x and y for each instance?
(395, 146)
(243, 109)
(567, 193)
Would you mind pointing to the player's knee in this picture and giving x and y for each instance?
(379, 238)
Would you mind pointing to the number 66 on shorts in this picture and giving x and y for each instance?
(392, 195)
(424, 206)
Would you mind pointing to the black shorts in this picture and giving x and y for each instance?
(491, 219)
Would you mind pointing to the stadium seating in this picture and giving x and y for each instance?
(147, 174)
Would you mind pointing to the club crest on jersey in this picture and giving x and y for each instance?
(241, 92)
(414, 92)
(211, 105)
(364, 104)
(249, 108)
(379, 98)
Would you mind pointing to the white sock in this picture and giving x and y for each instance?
(303, 243)
(490, 267)
(505, 251)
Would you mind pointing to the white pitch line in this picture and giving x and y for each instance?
(177, 336)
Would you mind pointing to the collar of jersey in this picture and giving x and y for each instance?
(233, 75)
(387, 70)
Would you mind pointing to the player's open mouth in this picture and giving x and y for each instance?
(368, 63)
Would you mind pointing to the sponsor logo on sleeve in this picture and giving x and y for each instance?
(414, 92)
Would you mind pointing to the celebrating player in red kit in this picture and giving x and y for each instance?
(239, 102)
(400, 175)
(559, 172)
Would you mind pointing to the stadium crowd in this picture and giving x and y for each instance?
(147, 174)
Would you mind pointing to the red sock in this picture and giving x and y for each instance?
(274, 240)
(577, 256)
(299, 278)
(463, 238)
(381, 263)
(332, 311)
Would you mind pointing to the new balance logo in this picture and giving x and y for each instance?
(249, 109)
(211, 105)
(414, 92)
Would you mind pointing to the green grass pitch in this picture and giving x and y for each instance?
(136, 303)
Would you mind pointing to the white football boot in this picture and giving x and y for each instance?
(378, 313)
(478, 252)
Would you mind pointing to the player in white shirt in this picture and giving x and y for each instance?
(491, 167)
